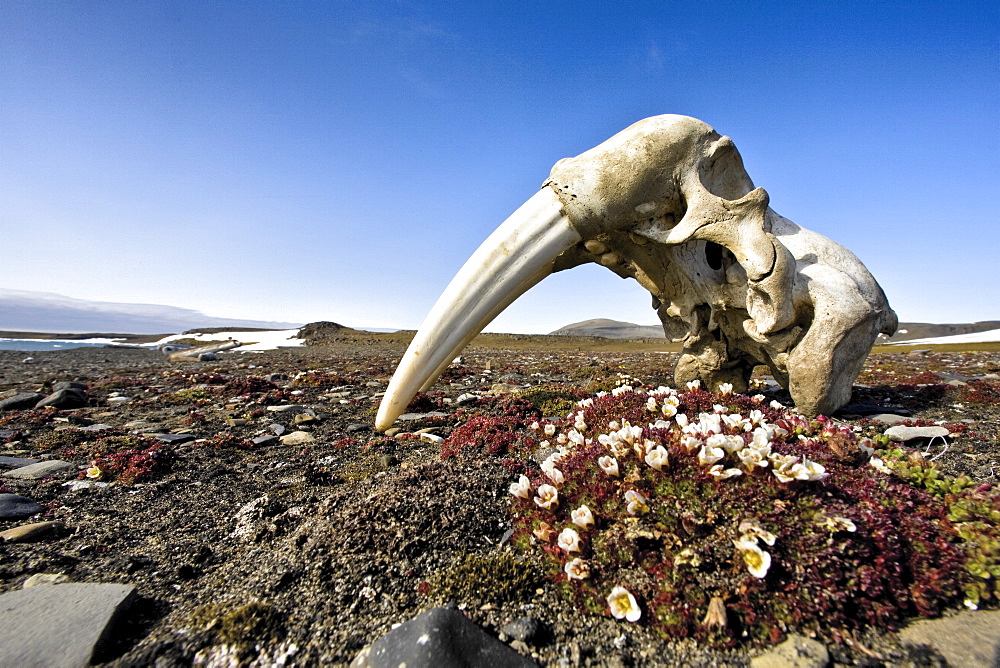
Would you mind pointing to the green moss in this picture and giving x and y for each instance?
(494, 578)
(242, 626)
(190, 395)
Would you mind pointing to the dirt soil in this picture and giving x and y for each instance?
(307, 553)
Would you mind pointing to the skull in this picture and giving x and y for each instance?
(668, 202)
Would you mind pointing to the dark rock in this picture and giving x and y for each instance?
(16, 462)
(16, 507)
(21, 401)
(872, 409)
(438, 638)
(175, 439)
(65, 399)
(278, 429)
(265, 439)
(524, 629)
(6, 433)
(207, 357)
(276, 377)
(59, 625)
(69, 385)
(352, 428)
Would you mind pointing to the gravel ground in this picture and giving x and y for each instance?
(313, 551)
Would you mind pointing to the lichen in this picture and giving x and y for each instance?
(489, 578)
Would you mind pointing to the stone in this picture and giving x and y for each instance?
(524, 629)
(968, 639)
(354, 428)
(69, 385)
(21, 401)
(276, 377)
(28, 533)
(62, 625)
(96, 427)
(668, 202)
(264, 439)
(16, 507)
(65, 399)
(297, 438)
(278, 429)
(41, 470)
(43, 579)
(409, 417)
(16, 462)
(392, 432)
(873, 409)
(438, 638)
(795, 652)
(175, 439)
(888, 418)
(77, 485)
(304, 418)
(285, 408)
(901, 434)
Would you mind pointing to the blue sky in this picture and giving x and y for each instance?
(302, 161)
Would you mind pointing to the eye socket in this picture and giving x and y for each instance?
(713, 255)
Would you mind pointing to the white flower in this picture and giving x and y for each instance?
(777, 404)
(636, 503)
(835, 524)
(761, 439)
(756, 559)
(553, 474)
(733, 420)
(728, 443)
(879, 465)
(548, 497)
(521, 488)
(651, 405)
(609, 465)
(691, 443)
(569, 540)
(586, 403)
(660, 424)
(681, 419)
(562, 439)
(718, 472)
(582, 517)
(579, 423)
(577, 569)
(694, 384)
(720, 409)
(751, 530)
(752, 458)
(550, 430)
(657, 457)
(814, 471)
(687, 556)
(757, 398)
(709, 423)
(756, 417)
(672, 400)
(708, 456)
(669, 410)
(621, 389)
(971, 605)
(576, 437)
(725, 388)
(614, 426)
(94, 473)
(623, 605)
(535, 426)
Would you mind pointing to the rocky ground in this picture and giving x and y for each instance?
(262, 522)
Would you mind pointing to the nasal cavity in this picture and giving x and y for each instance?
(713, 255)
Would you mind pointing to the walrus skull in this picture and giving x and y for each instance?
(668, 202)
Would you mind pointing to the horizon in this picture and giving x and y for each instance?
(321, 161)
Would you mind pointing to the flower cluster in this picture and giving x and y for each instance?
(654, 504)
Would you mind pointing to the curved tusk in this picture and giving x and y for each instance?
(518, 255)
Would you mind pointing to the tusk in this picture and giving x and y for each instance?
(518, 255)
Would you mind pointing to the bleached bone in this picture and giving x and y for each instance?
(668, 202)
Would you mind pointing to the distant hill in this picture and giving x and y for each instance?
(615, 329)
(610, 329)
(30, 311)
(926, 330)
